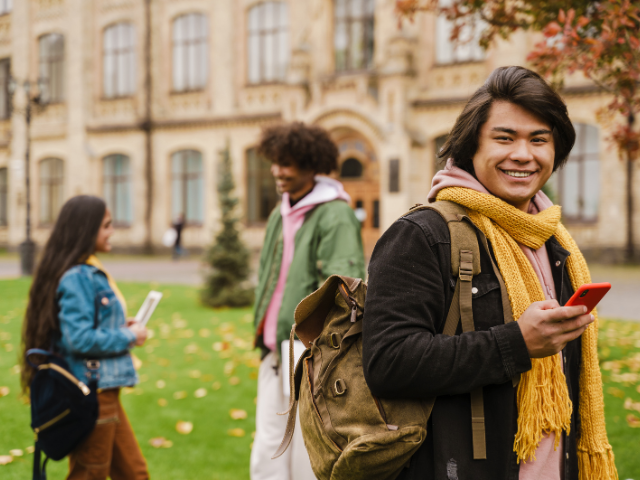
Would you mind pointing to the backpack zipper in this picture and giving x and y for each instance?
(351, 302)
(83, 388)
(55, 419)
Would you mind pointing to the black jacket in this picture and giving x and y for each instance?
(405, 356)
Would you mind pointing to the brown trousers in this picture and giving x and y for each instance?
(111, 450)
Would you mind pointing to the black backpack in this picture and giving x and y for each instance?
(64, 410)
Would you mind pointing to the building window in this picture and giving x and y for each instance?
(5, 6)
(353, 38)
(466, 49)
(576, 186)
(4, 195)
(262, 196)
(116, 183)
(5, 97)
(51, 48)
(51, 186)
(351, 168)
(439, 163)
(119, 61)
(190, 52)
(394, 175)
(187, 194)
(268, 46)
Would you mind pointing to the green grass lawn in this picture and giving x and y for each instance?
(197, 351)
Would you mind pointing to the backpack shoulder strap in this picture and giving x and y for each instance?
(465, 264)
(461, 230)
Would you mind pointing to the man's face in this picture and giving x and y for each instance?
(515, 154)
(291, 179)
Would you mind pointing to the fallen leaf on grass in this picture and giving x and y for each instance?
(638, 388)
(30, 449)
(163, 362)
(185, 428)
(204, 332)
(616, 392)
(16, 452)
(160, 442)
(16, 369)
(8, 347)
(195, 374)
(229, 368)
(137, 363)
(161, 384)
(631, 405)
(253, 434)
(162, 402)
(237, 414)
(5, 459)
(253, 375)
(227, 327)
(207, 377)
(236, 432)
(127, 390)
(216, 386)
(4, 391)
(220, 346)
(201, 392)
(633, 421)
(234, 381)
(191, 348)
(180, 395)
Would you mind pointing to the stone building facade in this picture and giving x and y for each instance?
(139, 96)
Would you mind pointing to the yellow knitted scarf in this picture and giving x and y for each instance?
(94, 261)
(543, 399)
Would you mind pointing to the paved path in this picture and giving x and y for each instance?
(623, 301)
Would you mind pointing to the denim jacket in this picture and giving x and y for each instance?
(82, 288)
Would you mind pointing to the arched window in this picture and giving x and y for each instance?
(353, 38)
(268, 45)
(351, 168)
(261, 188)
(190, 52)
(467, 49)
(51, 67)
(116, 182)
(187, 186)
(51, 189)
(5, 6)
(576, 186)
(4, 194)
(119, 60)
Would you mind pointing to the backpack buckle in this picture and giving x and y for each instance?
(465, 271)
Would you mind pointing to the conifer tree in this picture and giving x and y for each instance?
(226, 284)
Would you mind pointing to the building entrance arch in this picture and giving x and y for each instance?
(359, 172)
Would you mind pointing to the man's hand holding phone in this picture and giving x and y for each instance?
(547, 327)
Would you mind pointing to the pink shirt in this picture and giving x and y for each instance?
(548, 462)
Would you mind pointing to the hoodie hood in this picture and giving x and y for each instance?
(325, 190)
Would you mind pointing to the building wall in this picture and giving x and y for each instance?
(400, 107)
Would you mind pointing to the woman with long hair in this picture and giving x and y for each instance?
(76, 309)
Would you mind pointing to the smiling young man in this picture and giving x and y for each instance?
(539, 375)
(311, 235)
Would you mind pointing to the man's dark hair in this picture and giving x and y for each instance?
(308, 147)
(519, 86)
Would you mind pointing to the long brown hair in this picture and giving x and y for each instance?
(72, 241)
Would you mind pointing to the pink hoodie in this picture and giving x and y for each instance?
(325, 190)
(548, 463)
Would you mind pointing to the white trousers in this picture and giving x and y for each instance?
(270, 427)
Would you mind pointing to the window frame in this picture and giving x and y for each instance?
(52, 62)
(367, 40)
(5, 76)
(256, 184)
(476, 53)
(6, 7)
(51, 182)
(279, 33)
(111, 181)
(186, 45)
(184, 177)
(4, 197)
(127, 53)
(580, 159)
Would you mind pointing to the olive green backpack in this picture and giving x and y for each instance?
(350, 434)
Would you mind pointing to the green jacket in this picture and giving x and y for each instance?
(327, 243)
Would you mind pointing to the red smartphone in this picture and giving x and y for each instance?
(589, 295)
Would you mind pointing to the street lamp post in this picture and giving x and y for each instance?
(28, 247)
